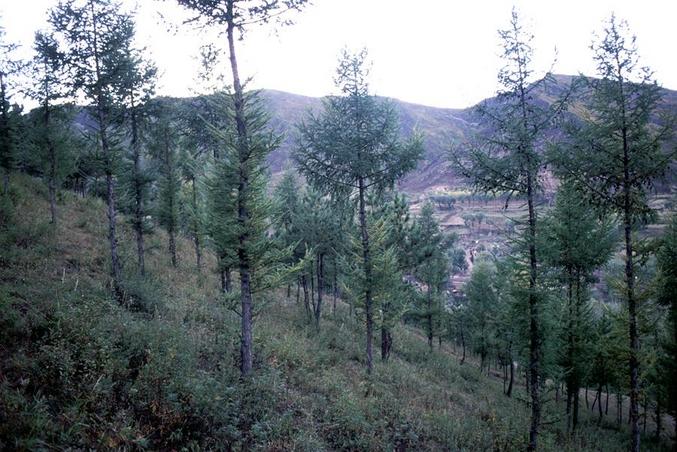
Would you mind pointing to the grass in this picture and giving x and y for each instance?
(79, 371)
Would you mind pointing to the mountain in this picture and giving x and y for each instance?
(440, 128)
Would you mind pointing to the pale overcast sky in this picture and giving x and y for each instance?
(434, 52)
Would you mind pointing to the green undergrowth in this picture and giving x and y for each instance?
(80, 371)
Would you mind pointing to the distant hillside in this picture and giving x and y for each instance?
(440, 128)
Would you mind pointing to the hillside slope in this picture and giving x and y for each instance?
(79, 371)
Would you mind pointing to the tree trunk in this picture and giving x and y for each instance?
(4, 126)
(645, 407)
(306, 298)
(463, 346)
(534, 332)
(429, 319)
(512, 378)
(108, 158)
(333, 308)
(367, 274)
(619, 404)
(630, 283)
(224, 283)
(659, 419)
(599, 405)
(576, 406)
(196, 229)
(172, 244)
(246, 346)
(569, 406)
(51, 183)
(526, 384)
(320, 288)
(504, 369)
(386, 342)
(311, 277)
(138, 191)
(112, 236)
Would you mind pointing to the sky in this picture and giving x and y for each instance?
(442, 53)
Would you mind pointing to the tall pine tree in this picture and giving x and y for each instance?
(97, 35)
(506, 159)
(353, 149)
(616, 158)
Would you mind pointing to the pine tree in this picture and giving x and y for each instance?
(617, 157)
(319, 231)
(221, 219)
(397, 216)
(353, 147)
(252, 146)
(10, 67)
(578, 244)
(482, 307)
(138, 86)
(97, 35)
(505, 159)
(164, 148)
(431, 267)
(52, 136)
(191, 164)
(667, 296)
(200, 159)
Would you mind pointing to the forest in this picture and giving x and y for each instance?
(161, 288)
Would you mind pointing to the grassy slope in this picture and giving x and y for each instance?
(77, 370)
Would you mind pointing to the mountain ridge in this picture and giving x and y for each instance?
(440, 128)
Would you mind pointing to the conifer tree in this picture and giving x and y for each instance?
(578, 244)
(164, 147)
(97, 35)
(252, 143)
(616, 158)
(319, 230)
(52, 136)
(396, 213)
(505, 159)
(482, 309)
(508, 328)
(353, 148)
(431, 267)
(138, 86)
(221, 218)
(191, 164)
(667, 296)
(10, 67)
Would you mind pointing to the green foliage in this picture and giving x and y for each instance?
(667, 296)
(164, 148)
(355, 141)
(10, 69)
(80, 371)
(482, 309)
